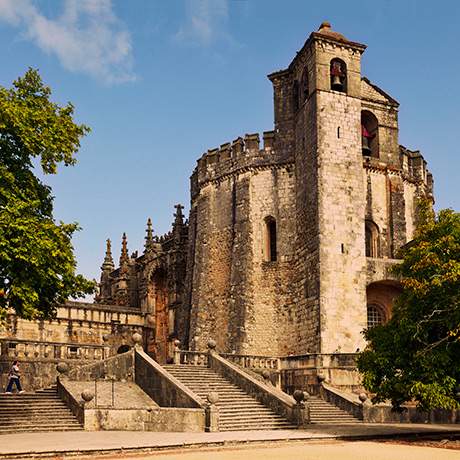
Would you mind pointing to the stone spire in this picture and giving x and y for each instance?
(124, 258)
(108, 265)
(179, 217)
(149, 237)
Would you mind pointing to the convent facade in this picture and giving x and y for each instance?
(289, 245)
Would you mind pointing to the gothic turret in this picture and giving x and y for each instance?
(149, 237)
(105, 292)
(124, 258)
(108, 265)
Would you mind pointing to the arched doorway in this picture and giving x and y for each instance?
(160, 343)
(123, 349)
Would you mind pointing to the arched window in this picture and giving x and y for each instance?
(338, 72)
(375, 316)
(369, 134)
(304, 90)
(372, 239)
(270, 239)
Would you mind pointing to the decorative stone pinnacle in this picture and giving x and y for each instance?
(149, 237)
(179, 217)
(108, 265)
(124, 258)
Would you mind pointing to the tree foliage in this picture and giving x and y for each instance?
(37, 265)
(416, 355)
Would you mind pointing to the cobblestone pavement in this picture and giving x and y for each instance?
(60, 443)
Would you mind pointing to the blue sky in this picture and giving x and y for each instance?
(159, 82)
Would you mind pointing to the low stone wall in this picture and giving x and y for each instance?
(380, 413)
(160, 419)
(280, 402)
(76, 406)
(119, 367)
(36, 373)
(383, 413)
(161, 386)
(176, 419)
(301, 372)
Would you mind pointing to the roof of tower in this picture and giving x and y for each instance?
(325, 29)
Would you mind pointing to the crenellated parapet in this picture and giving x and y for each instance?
(231, 157)
(413, 168)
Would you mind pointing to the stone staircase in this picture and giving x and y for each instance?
(39, 411)
(326, 413)
(237, 409)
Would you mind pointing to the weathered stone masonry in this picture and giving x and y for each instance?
(291, 238)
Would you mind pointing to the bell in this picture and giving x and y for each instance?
(366, 148)
(337, 83)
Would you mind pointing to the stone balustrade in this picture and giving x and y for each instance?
(27, 349)
(194, 358)
(253, 361)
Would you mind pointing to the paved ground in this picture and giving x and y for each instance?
(20, 444)
(308, 451)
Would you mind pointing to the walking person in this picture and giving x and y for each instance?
(14, 377)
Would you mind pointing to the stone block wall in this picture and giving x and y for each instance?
(237, 296)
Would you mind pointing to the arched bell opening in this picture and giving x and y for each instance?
(338, 74)
(369, 134)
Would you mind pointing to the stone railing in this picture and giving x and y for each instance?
(193, 358)
(253, 361)
(29, 349)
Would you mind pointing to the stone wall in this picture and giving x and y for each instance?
(79, 323)
(162, 387)
(234, 289)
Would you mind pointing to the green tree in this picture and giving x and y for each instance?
(416, 355)
(37, 264)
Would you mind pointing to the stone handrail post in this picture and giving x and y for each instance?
(302, 408)
(176, 356)
(212, 413)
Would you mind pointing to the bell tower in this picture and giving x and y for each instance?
(318, 118)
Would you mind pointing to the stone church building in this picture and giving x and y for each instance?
(289, 244)
(290, 240)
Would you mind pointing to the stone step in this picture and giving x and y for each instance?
(38, 429)
(254, 427)
(36, 421)
(30, 412)
(35, 412)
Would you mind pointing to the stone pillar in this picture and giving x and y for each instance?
(301, 409)
(212, 413)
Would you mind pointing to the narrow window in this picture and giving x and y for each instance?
(338, 71)
(375, 316)
(304, 86)
(338, 132)
(270, 240)
(372, 239)
(295, 95)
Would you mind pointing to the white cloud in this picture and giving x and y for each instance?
(87, 37)
(206, 20)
